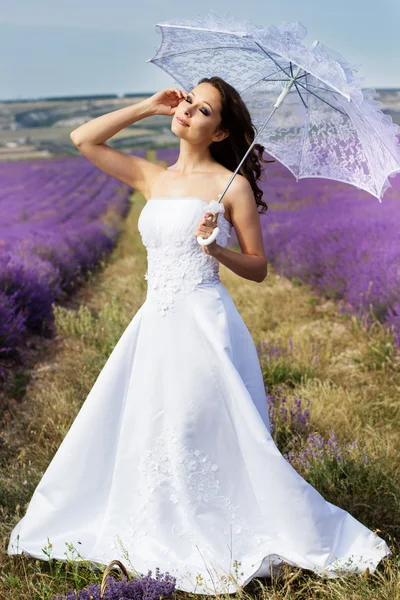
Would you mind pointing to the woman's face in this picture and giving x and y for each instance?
(201, 111)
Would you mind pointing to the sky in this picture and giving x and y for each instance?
(79, 47)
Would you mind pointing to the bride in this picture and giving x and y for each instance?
(170, 462)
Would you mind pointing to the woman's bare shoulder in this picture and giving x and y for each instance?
(156, 175)
(236, 186)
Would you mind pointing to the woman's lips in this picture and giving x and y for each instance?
(181, 122)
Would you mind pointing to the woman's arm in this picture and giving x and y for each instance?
(89, 138)
(102, 128)
(251, 263)
(245, 265)
(135, 171)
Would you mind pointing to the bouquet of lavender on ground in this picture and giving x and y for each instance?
(139, 588)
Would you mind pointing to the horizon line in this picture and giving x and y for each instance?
(132, 94)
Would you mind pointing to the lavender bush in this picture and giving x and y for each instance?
(339, 239)
(317, 452)
(60, 216)
(287, 423)
(292, 432)
(341, 471)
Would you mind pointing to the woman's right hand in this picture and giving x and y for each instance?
(166, 101)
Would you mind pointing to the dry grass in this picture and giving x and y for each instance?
(353, 387)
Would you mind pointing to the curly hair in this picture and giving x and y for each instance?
(236, 119)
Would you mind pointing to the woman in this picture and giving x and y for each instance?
(170, 462)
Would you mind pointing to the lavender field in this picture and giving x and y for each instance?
(59, 217)
(332, 401)
(335, 237)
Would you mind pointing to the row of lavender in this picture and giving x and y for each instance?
(59, 217)
(339, 239)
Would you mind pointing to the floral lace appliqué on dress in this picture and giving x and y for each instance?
(188, 478)
(177, 264)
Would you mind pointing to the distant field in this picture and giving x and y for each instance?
(42, 129)
(57, 133)
(44, 126)
(46, 142)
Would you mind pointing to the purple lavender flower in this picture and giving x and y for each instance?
(317, 452)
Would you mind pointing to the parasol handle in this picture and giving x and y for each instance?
(214, 207)
(210, 239)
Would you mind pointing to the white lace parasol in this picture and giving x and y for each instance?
(306, 104)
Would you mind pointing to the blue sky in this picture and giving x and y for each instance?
(50, 47)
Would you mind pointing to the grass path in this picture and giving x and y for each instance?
(350, 375)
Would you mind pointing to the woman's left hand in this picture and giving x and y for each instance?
(205, 229)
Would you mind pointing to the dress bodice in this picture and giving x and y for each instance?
(176, 263)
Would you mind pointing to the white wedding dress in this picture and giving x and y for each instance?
(170, 456)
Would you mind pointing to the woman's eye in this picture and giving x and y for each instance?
(187, 100)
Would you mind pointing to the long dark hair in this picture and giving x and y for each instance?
(236, 119)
